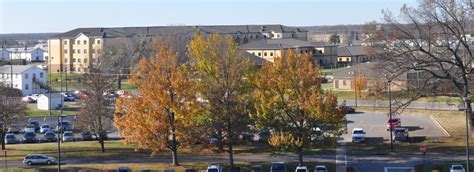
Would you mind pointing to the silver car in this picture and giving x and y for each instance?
(32, 159)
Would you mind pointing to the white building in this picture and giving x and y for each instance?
(28, 78)
(4, 55)
(44, 101)
(35, 54)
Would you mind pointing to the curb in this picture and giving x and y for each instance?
(440, 126)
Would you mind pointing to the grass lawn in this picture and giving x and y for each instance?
(452, 121)
(71, 108)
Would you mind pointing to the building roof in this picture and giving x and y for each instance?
(280, 44)
(352, 51)
(368, 70)
(258, 60)
(17, 69)
(174, 30)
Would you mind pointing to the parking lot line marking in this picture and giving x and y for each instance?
(44, 119)
(440, 126)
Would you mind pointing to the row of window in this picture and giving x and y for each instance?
(264, 54)
(78, 42)
(79, 51)
(74, 60)
(7, 75)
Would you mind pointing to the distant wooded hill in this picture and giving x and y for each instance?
(26, 36)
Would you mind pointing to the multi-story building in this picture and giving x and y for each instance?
(75, 50)
(324, 54)
(27, 78)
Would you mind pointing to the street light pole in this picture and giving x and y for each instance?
(466, 101)
(390, 114)
(355, 86)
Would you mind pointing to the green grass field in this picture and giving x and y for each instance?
(71, 108)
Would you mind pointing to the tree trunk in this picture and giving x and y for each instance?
(300, 156)
(119, 80)
(174, 144)
(101, 141)
(230, 139)
(174, 155)
(220, 145)
(3, 139)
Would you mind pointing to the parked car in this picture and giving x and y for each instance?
(10, 138)
(86, 136)
(68, 136)
(358, 135)
(29, 128)
(68, 96)
(28, 99)
(400, 134)
(123, 169)
(393, 123)
(32, 159)
(36, 124)
(49, 137)
(348, 109)
(29, 137)
(256, 168)
(63, 126)
(44, 128)
(456, 168)
(14, 129)
(278, 167)
(214, 168)
(301, 169)
(320, 168)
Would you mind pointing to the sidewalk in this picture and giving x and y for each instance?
(413, 105)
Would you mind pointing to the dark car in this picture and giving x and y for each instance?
(63, 126)
(29, 137)
(86, 136)
(348, 109)
(36, 124)
(278, 167)
(400, 134)
(49, 137)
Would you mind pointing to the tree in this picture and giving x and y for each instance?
(222, 73)
(335, 39)
(12, 109)
(160, 116)
(290, 100)
(359, 84)
(431, 39)
(96, 113)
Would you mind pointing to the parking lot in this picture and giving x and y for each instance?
(375, 125)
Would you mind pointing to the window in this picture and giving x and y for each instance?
(65, 60)
(73, 51)
(78, 42)
(78, 51)
(41, 74)
(26, 75)
(256, 36)
(27, 86)
(314, 51)
(84, 42)
(78, 60)
(98, 41)
(85, 60)
(259, 54)
(65, 51)
(85, 51)
(251, 36)
(344, 82)
(253, 53)
(74, 60)
(271, 54)
(65, 42)
(265, 54)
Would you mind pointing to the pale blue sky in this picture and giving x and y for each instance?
(26, 16)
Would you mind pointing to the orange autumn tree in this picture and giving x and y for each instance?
(159, 116)
(289, 99)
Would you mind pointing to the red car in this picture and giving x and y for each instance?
(393, 123)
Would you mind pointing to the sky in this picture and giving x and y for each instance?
(39, 16)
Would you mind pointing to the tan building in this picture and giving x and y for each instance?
(353, 55)
(268, 49)
(74, 51)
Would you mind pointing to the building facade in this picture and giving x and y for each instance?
(27, 78)
(74, 51)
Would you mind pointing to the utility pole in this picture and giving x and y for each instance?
(466, 103)
(60, 128)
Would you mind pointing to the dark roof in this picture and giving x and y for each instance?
(352, 51)
(280, 44)
(258, 60)
(368, 70)
(174, 30)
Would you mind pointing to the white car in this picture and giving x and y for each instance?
(68, 136)
(301, 169)
(456, 168)
(44, 128)
(214, 168)
(320, 168)
(358, 135)
(30, 128)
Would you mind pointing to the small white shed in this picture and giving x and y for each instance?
(43, 101)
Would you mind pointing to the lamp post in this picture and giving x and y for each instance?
(390, 114)
(59, 118)
(354, 74)
(466, 101)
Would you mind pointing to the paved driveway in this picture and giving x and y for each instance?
(374, 124)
